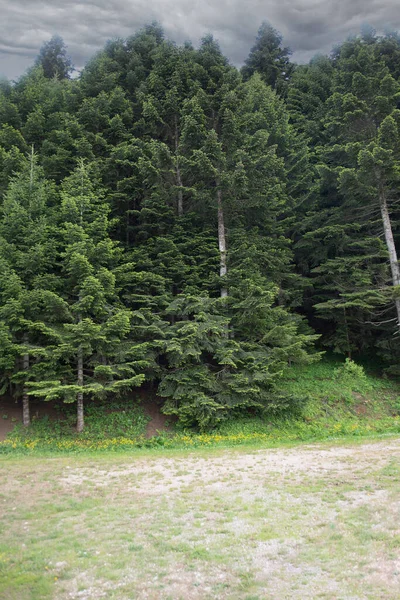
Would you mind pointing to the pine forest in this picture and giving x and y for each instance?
(173, 224)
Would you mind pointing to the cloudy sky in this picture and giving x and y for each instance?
(308, 26)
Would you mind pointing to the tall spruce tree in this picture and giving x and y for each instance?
(172, 83)
(358, 162)
(30, 303)
(94, 355)
(54, 60)
(268, 58)
(231, 163)
(309, 88)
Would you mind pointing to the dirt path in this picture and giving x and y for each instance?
(317, 521)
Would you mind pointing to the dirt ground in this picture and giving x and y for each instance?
(316, 521)
(11, 413)
(158, 421)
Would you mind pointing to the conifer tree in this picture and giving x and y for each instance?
(28, 284)
(94, 355)
(309, 88)
(54, 60)
(358, 182)
(172, 83)
(229, 136)
(268, 58)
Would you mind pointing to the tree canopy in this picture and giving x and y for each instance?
(54, 60)
(170, 222)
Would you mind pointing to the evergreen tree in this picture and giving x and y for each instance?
(172, 83)
(28, 285)
(309, 88)
(357, 182)
(94, 355)
(54, 60)
(232, 166)
(268, 58)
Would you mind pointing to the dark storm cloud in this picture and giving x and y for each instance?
(308, 26)
(311, 26)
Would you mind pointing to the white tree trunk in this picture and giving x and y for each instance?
(26, 418)
(180, 193)
(394, 265)
(221, 242)
(32, 167)
(178, 171)
(80, 423)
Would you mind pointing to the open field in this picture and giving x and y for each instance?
(315, 521)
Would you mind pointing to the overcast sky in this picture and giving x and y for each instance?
(308, 26)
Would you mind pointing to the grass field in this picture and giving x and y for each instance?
(300, 522)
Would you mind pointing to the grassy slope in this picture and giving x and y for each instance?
(333, 400)
(340, 400)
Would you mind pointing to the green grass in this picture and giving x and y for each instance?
(110, 514)
(301, 523)
(334, 399)
(329, 399)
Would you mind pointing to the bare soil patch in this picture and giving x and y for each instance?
(11, 413)
(158, 421)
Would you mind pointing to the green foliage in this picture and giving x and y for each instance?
(328, 399)
(54, 60)
(95, 337)
(342, 246)
(268, 58)
(216, 368)
(350, 371)
(108, 419)
(186, 224)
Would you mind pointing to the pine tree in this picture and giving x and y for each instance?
(268, 58)
(54, 60)
(172, 83)
(28, 285)
(94, 355)
(231, 164)
(357, 181)
(309, 88)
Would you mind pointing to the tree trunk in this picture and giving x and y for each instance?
(347, 334)
(80, 423)
(178, 171)
(127, 228)
(26, 418)
(180, 193)
(394, 265)
(221, 242)
(32, 167)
